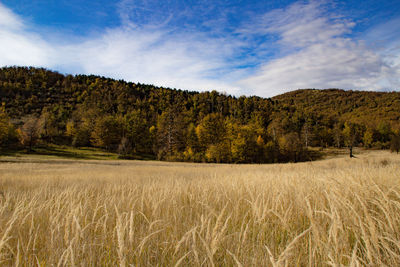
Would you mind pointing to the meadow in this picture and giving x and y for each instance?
(333, 212)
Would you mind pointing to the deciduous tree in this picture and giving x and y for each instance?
(29, 132)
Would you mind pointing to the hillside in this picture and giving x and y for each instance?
(46, 107)
(357, 106)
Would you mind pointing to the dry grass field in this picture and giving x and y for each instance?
(335, 212)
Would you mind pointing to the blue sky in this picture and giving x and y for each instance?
(259, 48)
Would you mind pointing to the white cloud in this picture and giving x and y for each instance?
(18, 46)
(316, 54)
(192, 61)
(8, 19)
(156, 57)
(301, 24)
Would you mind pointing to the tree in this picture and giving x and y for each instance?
(275, 129)
(368, 138)
(70, 130)
(29, 132)
(53, 122)
(170, 134)
(181, 125)
(338, 138)
(247, 147)
(271, 152)
(107, 132)
(291, 147)
(82, 135)
(84, 121)
(136, 131)
(384, 131)
(211, 130)
(192, 151)
(323, 136)
(4, 126)
(124, 147)
(395, 142)
(383, 135)
(218, 153)
(349, 133)
(232, 129)
(307, 133)
(8, 134)
(191, 137)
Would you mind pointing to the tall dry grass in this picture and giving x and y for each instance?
(338, 212)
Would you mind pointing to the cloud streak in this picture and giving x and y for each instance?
(158, 57)
(193, 61)
(19, 46)
(314, 51)
(317, 54)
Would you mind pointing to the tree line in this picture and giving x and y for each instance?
(40, 106)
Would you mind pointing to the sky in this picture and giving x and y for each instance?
(238, 47)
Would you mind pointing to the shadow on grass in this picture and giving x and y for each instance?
(10, 152)
(52, 151)
(137, 157)
(315, 155)
(67, 152)
(61, 152)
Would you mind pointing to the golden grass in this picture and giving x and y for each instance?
(337, 212)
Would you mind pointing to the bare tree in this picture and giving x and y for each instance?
(29, 132)
(124, 147)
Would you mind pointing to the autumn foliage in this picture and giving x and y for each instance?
(168, 124)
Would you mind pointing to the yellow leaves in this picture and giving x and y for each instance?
(260, 141)
(70, 129)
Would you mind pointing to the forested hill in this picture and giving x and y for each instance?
(42, 106)
(357, 106)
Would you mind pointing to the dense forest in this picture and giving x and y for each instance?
(42, 107)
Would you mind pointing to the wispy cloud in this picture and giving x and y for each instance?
(301, 46)
(8, 20)
(158, 57)
(145, 54)
(385, 40)
(316, 53)
(18, 46)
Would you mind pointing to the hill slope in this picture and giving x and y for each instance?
(136, 119)
(357, 106)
